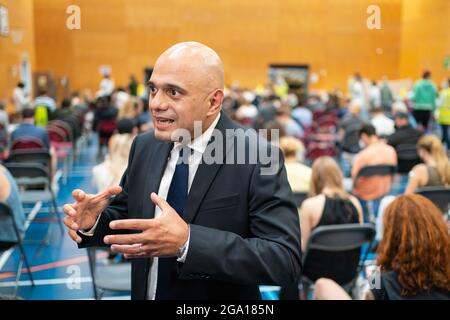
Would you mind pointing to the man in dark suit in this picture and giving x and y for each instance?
(195, 228)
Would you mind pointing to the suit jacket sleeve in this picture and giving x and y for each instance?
(271, 255)
(117, 209)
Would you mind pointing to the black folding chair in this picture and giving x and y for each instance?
(440, 196)
(334, 252)
(35, 185)
(40, 156)
(299, 198)
(111, 277)
(7, 217)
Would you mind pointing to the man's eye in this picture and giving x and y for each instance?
(173, 92)
(152, 90)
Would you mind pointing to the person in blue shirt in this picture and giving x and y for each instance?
(28, 129)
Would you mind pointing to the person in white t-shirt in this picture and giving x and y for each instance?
(106, 86)
(20, 97)
(383, 125)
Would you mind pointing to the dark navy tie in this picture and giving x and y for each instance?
(176, 197)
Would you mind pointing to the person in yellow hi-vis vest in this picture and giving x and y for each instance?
(41, 116)
(443, 114)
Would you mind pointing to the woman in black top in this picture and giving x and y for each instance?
(328, 204)
(413, 256)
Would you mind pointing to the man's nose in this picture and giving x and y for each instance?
(158, 102)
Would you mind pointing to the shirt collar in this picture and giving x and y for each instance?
(200, 143)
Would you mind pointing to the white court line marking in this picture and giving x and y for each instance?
(110, 298)
(45, 282)
(269, 288)
(5, 256)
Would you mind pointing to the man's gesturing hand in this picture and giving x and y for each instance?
(82, 214)
(159, 237)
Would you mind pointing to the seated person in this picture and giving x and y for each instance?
(435, 171)
(4, 117)
(64, 111)
(404, 134)
(43, 99)
(348, 131)
(9, 194)
(28, 129)
(142, 116)
(375, 152)
(400, 106)
(328, 203)
(104, 112)
(413, 256)
(299, 175)
(4, 135)
(109, 172)
(383, 125)
(291, 127)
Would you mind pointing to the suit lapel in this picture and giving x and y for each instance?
(155, 170)
(207, 172)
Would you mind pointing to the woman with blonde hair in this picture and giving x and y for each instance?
(435, 171)
(299, 175)
(128, 110)
(413, 257)
(328, 202)
(109, 172)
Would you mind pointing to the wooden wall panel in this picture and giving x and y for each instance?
(425, 38)
(11, 54)
(329, 35)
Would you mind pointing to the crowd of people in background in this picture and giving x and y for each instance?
(327, 139)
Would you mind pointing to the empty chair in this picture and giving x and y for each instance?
(334, 252)
(110, 277)
(440, 196)
(34, 181)
(7, 217)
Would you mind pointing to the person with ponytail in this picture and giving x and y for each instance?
(435, 171)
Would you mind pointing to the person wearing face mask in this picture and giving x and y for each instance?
(375, 152)
(194, 229)
(404, 134)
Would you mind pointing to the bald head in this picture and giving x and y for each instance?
(197, 60)
(186, 86)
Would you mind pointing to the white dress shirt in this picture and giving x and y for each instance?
(198, 146)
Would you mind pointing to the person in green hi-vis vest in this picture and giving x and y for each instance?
(424, 98)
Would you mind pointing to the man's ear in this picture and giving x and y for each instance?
(215, 101)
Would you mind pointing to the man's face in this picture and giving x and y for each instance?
(401, 122)
(177, 98)
(364, 139)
